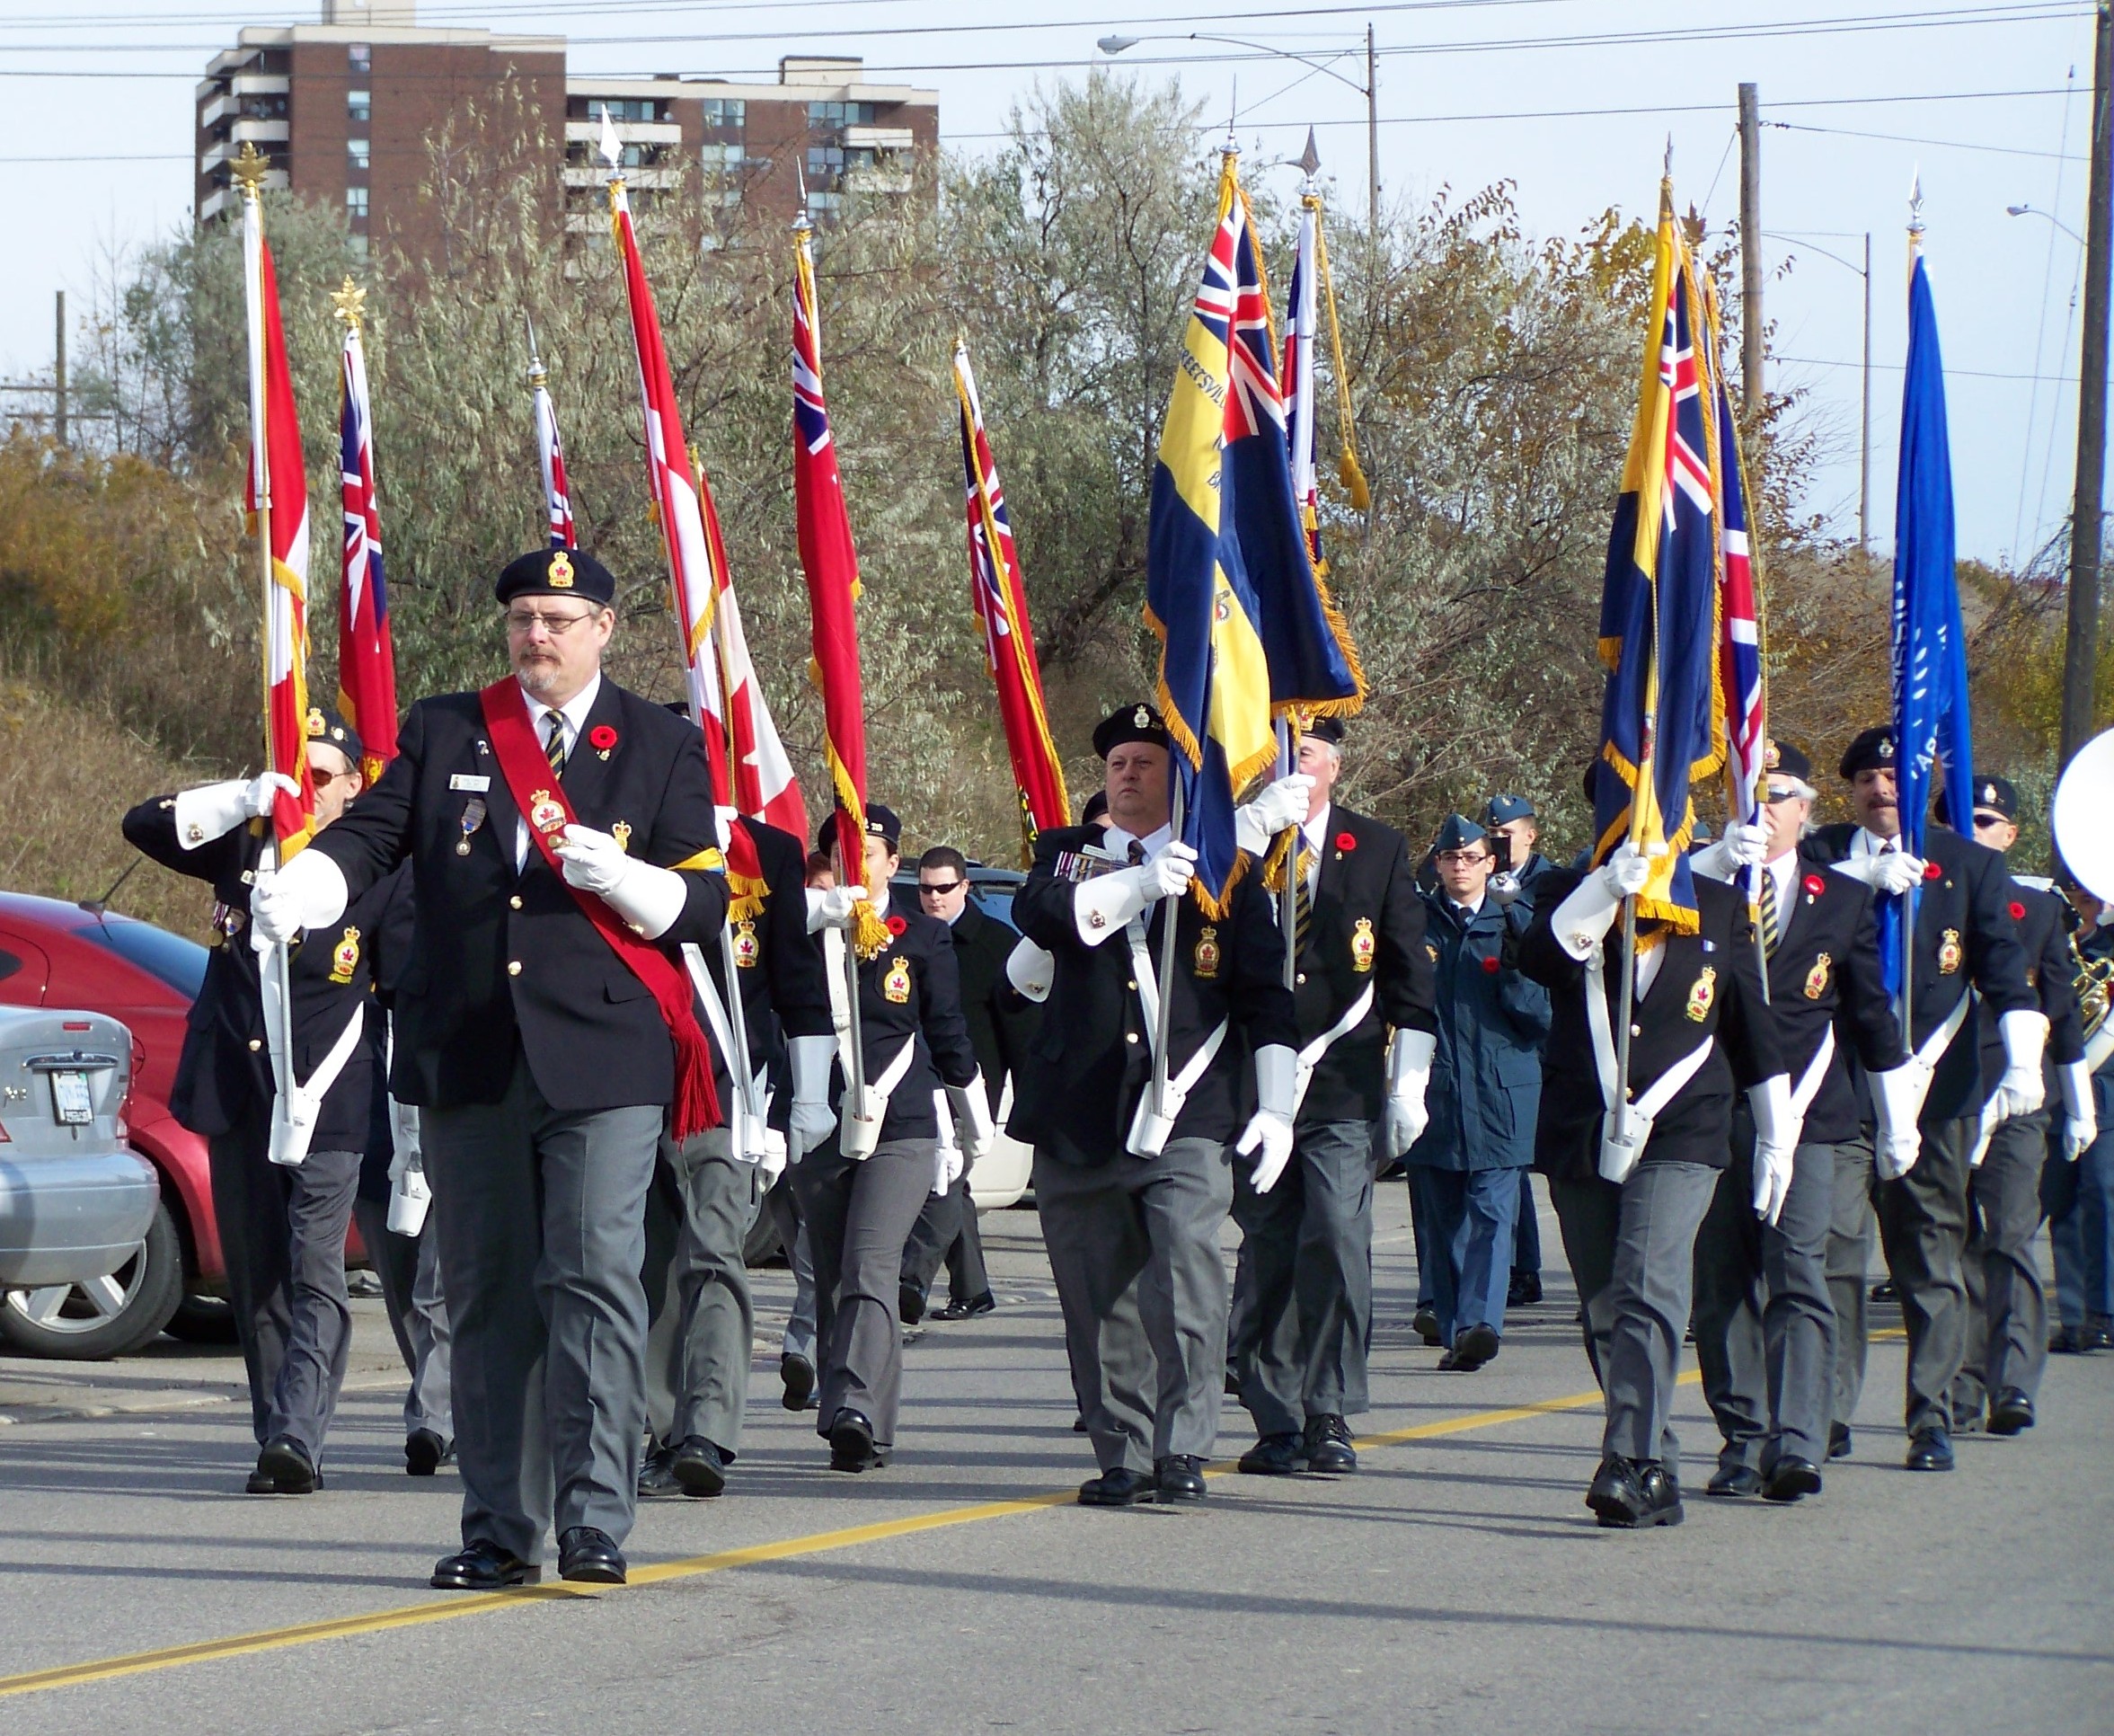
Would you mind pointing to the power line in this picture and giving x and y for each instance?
(1951, 371)
(1944, 144)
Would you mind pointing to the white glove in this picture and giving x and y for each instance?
(213, 810)
(972, 1120)
(1409, 1075)
(1270, 1127)
(650, 899)
(2081, 1121)
(1897, 1100)
(771, 1166)
(947, 1164)
(308, 893)
(1777, 1126)
(832, 908)
(1587, 914)
(1742, 846)
(409, 1196)
(813, 1119)
(1102, 904)
(1168, 871)
(1895, 871)
(1032, 969)
(1504, 890)
(1281, 805)
(2022, 1090)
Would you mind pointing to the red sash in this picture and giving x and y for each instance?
(540, 795)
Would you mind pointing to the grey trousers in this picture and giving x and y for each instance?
(541, 1217)
(1849, 1226)
(1923, 1228)
(1765, 1329)
(1303, 1292)
(409, 1267)
(1134, 1247)
(858, 1215)
(784, 1206)
(2007, 1307)
(946, 1231)
(282, 1232)
(700, 1317)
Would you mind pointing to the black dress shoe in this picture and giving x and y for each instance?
(1634, 1494)
(1078, 1425)
(1424, 1323)
(260, 1483)
(966, 1307)
(1274, 1456)
(1329, 1451)
(1966, 1421)
(2097, 1334)
(1886, 1292)
(699, 1467)
(1447, 1362)
(909, 1303)
(1735, 1482)
(798, 1375)
(2067, 1341)
(483, 1567)
(285, 1462)
(1930, 1449)
(657, 1474)
(591, 1556)
(1838, 1440)
(1121, 1487)
(2012, 1414)
(1475, 1347)
(1178, 1477)
(1524, 1290)
(851, 1442)
(1792, 1478)
(424, 1453)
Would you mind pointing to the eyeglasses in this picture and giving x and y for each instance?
(1775, 796)
(1464, 858)
(1983, 822)
(939, 890)
(556, 626)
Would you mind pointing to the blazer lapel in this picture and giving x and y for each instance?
(589, 768)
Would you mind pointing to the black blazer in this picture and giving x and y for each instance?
(2051, 973)
(225, 1071)
(1368, 926)
(505, 960)
(1964, 936)
(1709, 985)
(1002, 1021)
(1826, 971)
(1092, 1059)
(911, 990)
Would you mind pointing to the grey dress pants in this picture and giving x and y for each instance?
(1851, 1225)
(2007, 1305)
(1134, 1247)
(540, 1216)
(700, 1316)
(946, 1233)
(858, 1215)
(409, 1267)
(784, 1206)
(1304, 1287)
(1923, 1228)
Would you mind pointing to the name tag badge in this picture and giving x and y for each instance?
(469, 781)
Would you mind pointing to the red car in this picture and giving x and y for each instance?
(53, 953)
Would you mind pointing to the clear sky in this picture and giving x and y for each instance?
(1991, 100)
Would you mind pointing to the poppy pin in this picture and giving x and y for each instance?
(602, 738)
(1815, 886)
(1344, 841)
(1489, 967)
(2018, 912)
(1931, 870)
(897, 925)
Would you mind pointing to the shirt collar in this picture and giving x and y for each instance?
(1317, 828)
(574, 709)
(1869, 843)
(1118, 841)
(1466, 912)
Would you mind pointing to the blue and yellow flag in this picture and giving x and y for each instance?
(1204, 549)
(1660, 729)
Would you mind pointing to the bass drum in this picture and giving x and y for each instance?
(2081, 818)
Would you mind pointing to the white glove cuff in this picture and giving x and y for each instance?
(1249, 831)
(319, 884)
(810, 1059)
(1776, 1122)
(1409, 1062)
(1897, 1097)
(2025, 1035)
(1276, 1066)
(1715, 862)
(650, 899)
(211, 810)
(2075, 1081)
(1032, 969)
(1584, 917)
(1101, 906)
(972, 1105)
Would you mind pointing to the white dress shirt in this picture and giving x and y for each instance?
(574, 711)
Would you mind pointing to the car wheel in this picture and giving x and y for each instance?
(112, 1316)
(203, 1320)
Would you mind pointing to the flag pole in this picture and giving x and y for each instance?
(1289, 893)
(1901, 746)
(1162, 1022)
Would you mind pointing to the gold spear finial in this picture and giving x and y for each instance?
(249, 169)
(350, 302)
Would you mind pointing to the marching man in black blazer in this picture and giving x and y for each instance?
(563, 843)
(1964, 938)
(862, 1187)
(1764, 1327)
(1629, 1199)
(1132, 1205)
(282, 1216)
(1303, 1295)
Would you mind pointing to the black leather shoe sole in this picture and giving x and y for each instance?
(698, 1474)
(423, 1451)
(1179, 1491)
(596, 1569)
(288, 1467)
(468, 1572)
(798, 1376)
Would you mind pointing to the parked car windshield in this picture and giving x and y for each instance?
(178, 962)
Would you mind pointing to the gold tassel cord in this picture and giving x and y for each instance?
(1346, 465)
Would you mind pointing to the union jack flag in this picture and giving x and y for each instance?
(1739, 652)
(367, 661)
(551, 457)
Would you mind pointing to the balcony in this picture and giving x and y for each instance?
(642, 180)
(628, 132)
(227, 198)
(876, 180)
(878, 138)
(228, 104)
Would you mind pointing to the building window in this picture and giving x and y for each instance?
(355, 150)
(359, 105)
(825, 162)
(830, 116)
(356, 204)
(359, 244)
(360, 56)
(624, 109)
(724, 111)
(722, 160)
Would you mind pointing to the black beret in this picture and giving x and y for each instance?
(1996, 795)
(1325, 728)
(1097, 807)
(326, 725)
(1788, 759)
(1872, 750)
(557, 572)
(1457, 832)
(880, 822)
(1138, 722)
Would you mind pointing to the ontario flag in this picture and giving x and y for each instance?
(276, 498)
(550, 454)
(1000, 597)
(832, 567)
(367, 661)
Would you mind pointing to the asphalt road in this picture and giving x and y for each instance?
(1455, 1580)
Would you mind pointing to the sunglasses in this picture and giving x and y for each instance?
(1984, 822)
(935, 890)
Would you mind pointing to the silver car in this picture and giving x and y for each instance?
(76, 1201)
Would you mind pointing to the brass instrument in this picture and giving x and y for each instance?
(2082, 822)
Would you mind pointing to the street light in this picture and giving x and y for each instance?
(1864, 408)
(2034, 210)
(1113, 45)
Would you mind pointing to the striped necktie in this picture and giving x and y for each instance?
(554, 747)
(1771, 918)
(1302, 897)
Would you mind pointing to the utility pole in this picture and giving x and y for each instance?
(59, 375)
(1864, 420)
(1750, 253)
(1372, 137)
(2081, 645)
